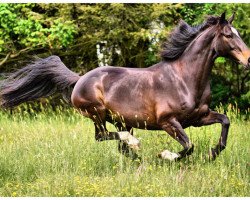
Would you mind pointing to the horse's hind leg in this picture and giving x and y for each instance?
(125, 147)
(128, 144)
(175, 130)
(125, 137)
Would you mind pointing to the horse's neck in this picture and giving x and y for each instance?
(196, 62)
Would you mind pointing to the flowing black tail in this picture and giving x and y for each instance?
(42, 78)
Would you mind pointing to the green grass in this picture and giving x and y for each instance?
(55, 154)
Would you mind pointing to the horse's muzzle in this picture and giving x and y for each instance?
(248, 65)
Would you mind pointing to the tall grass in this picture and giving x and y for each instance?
(54, 153)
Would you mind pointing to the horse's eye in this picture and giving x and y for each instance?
(228, 36)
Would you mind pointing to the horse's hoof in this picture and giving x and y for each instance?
(133, 143)
(130, 140)
(212, 154)
(128, 152)
(134, 147)
(135, 157)
(167, 155)
(125, 147)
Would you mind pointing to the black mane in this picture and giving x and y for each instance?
(182, 36)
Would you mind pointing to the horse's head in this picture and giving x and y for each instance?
(228, 42)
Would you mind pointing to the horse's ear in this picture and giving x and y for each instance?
(231, 18)
(223, 18)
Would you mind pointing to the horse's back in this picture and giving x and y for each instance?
(109, 78)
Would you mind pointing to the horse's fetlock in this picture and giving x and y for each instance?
(222, 146)
(98, 137)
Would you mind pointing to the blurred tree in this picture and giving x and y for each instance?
(88, 35)
(22, 30)
(126, 34)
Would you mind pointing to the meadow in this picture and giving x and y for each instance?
(54, 153)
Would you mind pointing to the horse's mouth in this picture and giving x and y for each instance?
(245, 66)
(241, 57)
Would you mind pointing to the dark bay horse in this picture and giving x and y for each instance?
(171, 95)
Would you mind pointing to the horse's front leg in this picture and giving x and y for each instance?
(175, 130)
(212, 118)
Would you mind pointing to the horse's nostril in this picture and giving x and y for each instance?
(249, 60)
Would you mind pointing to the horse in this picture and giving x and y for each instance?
(171, 95)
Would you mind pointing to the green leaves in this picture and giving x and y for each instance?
(126, 34)
(61, 34)
(20, 27)
(220, 60)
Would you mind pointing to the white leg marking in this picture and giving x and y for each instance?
(169, 155)
(123, 135)
(129, 139)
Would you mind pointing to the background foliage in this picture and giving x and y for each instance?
(88, 35)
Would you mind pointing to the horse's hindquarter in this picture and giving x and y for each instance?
(122, 92)
(87, 94)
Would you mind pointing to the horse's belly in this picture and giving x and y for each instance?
(134, 118)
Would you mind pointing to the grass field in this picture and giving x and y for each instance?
(55, 154)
